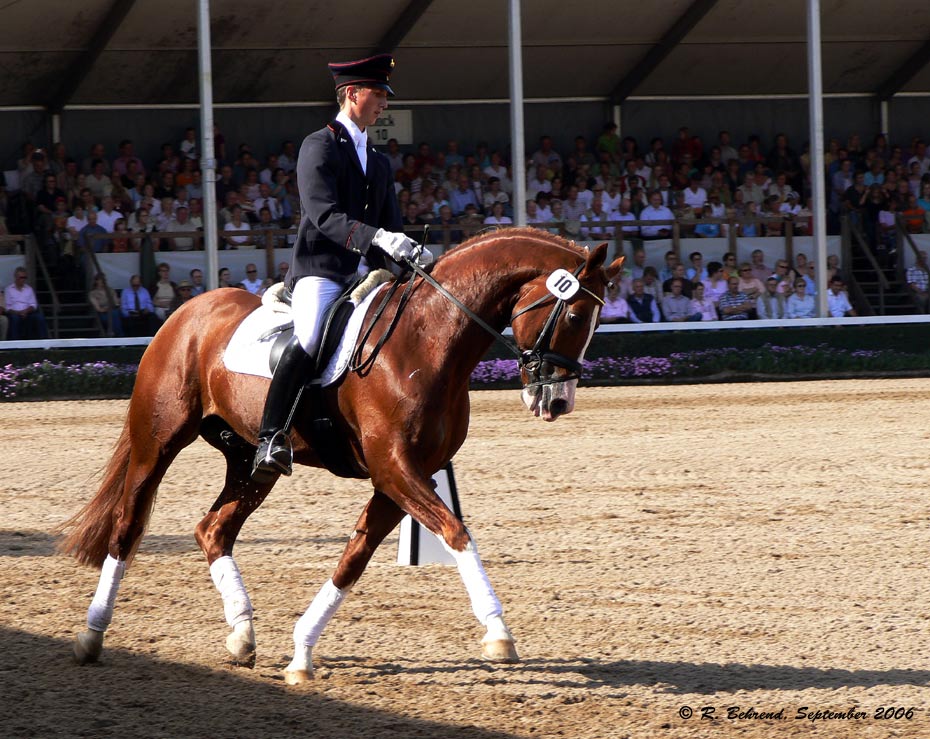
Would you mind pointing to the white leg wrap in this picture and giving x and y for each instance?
(100, 612)
(236, 603)
(484, 603)
(308, 628)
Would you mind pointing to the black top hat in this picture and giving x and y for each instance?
(375, 71)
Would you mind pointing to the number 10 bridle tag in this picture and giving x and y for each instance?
(563, 284)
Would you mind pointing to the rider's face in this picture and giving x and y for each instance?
(367, 104)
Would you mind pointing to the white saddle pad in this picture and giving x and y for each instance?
(247, 355)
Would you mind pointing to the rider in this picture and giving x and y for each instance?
(349, 205)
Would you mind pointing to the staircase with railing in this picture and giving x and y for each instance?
(62, 299)
(876, 282)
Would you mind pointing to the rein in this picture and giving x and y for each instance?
(363, 365)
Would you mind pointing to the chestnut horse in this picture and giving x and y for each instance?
(404, 417)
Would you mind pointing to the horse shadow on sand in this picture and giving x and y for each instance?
(677, 678)
(130, 695)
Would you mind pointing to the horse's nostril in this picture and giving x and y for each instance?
(558, 407)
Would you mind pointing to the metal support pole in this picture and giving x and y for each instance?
(207, 153)
(518, 149)
(818, 174)
(885, 120)
(56, 128)
(618, 119)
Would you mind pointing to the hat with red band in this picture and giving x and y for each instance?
(375, 71)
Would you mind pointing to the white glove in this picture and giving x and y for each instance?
(425, 257)
(397, 246)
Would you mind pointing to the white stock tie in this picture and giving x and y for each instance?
(362, 151)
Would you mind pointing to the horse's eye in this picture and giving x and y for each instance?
(574, 318)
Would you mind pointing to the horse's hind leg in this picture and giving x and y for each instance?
(143, 454)
(217, 531)
(380, 517)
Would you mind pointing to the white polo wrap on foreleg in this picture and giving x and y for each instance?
(484, 602)
(100, 612)
(236, 604)
(308, 628)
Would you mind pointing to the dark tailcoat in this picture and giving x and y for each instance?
(342, 206)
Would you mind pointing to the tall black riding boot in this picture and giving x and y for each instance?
(274, 455)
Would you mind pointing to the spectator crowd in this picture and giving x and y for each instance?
(113, 201)
(721, 290)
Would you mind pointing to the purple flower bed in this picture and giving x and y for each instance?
(59, 379)
(768, 359)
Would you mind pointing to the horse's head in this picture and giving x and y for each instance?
(553, 323)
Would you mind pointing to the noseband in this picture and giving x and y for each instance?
(532, 361)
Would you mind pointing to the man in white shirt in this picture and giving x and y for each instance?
(625, 213)
(181, 223)
(585, 194)
(695, 195)
(539, 183)
(838, 304)
(76, 221)
(22, 309)
(252, 283)
(655, 211)
(107, 217)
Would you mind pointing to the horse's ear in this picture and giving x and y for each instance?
(595, 259)
(614, 269)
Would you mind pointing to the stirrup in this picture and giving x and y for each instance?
(273, 457)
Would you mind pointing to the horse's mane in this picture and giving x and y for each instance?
(526, 233)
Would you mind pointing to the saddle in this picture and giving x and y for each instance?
(330, 445)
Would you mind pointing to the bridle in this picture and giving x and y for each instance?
(532, 361)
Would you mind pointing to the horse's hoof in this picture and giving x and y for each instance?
(87, 646)
(499, 650)
(298, 677)
(241, 644)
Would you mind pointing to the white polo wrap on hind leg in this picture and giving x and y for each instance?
(308, 628)
(236, 604)
(100, 612)
(484, 602)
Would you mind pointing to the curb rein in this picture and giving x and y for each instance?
(532, 361)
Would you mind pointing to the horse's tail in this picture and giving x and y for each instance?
(87, 533)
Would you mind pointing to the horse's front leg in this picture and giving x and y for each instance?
(420, 500)
(497, 645)
(380, 516)
(216, 534)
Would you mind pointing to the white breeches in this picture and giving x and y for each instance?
(100, 612)
(236, 604)
(310, 301)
